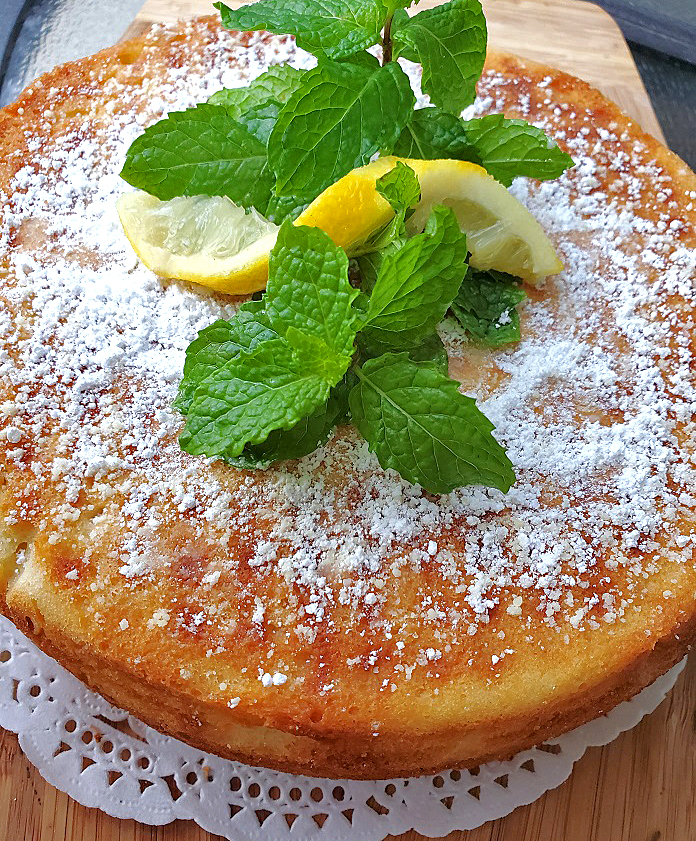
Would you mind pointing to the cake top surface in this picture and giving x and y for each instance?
(595, 406)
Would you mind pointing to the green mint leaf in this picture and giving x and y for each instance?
(300, 440)
(280, 208)
(220, 342)
(417, 422)
(248, 397)
(273, 365)
(432, 133)
(257, 105)
(450, 43)
(330, 28)
(369, 266)
(430, 349)
(417, 283)
(400, 187)
(277, 84)
(486, 307)
(317, 357)
(339, 117)
(363, 59)
(259, 119)
(202, 151)
(308, 288)
(508, 148)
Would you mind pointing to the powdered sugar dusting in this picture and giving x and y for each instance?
(595, 407)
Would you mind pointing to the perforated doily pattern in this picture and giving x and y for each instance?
(103, 757)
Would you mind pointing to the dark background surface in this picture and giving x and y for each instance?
(671, 85)
(665, 25)
(661, 35)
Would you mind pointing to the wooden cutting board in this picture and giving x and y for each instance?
(638, 788)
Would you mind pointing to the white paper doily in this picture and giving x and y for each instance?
(103, 757)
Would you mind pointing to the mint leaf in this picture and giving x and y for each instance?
(339, 117)
(308, 288)
(257, 105)
(259, 119)
(400, 187)
(370, 264)
(508, 148)
(417, 283)
(280, 208)
(486, 307)
(274, 364)
(220, 342)
(276, 84)
(317, 356)
(366, 60)
(450, 43)
(202, 151)
(248, 397)
(330, 28)
(431, 134)
(300, 440)
(430, 349)
(417, 422)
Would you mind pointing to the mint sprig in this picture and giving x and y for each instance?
(274, 381)
(276, 144)
(271, 384)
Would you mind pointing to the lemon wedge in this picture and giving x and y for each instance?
(211, 241)
(202, 239)
(501, 233)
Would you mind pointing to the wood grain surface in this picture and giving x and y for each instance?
(638, 788)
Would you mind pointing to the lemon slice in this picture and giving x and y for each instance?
(210, 240)
(203, 239)
(501, 233)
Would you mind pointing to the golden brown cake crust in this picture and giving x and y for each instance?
(323, 618)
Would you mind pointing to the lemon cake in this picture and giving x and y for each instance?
(323, 616)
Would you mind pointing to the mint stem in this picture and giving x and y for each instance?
(386, 41)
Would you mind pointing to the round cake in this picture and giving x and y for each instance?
(324, 616)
